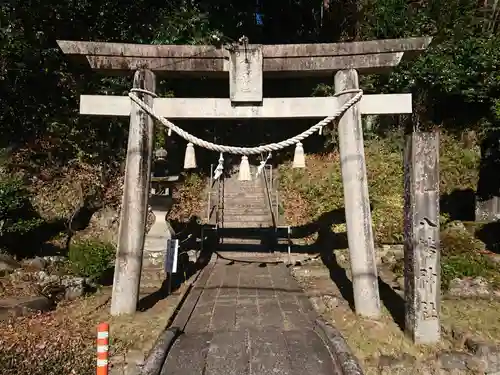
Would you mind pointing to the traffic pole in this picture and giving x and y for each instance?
(102, 348)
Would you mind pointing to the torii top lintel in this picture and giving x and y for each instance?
(296, 59)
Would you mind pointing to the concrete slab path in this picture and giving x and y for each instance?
(251, 318)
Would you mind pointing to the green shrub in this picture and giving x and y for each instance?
(13, 197)
(16, 211)
(18, 219)
(461, 257)
(456, 242)
(458, 166)
(472, 264)
(90, 258)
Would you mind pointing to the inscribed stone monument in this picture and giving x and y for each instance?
(421, 236)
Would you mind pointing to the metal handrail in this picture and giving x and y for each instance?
(276, 227)
(268, 194)
(219, 218)
(275, 205)
(209, 206)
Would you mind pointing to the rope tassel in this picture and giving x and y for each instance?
(189, 157)
(244, 174)
(220, 168)
(299, 160)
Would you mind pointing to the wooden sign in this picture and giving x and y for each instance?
(171, 256)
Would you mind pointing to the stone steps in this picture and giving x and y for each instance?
(246, 213)
(242, 241)
(248, 232)
(256, 189)
(244, 185)
(241, 203)
(245, 224)
(258, 192)
(250, 216)
(236, 195)
(245, 198)
(243, 214)
(250, 248)
(248, 209)
(249, 196)
(245, 210)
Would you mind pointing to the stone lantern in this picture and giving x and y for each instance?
(160, 203)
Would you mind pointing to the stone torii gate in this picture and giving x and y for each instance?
(245, 66)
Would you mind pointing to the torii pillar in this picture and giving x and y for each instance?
(136, 189)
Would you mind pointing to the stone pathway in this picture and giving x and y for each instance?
(251, 318)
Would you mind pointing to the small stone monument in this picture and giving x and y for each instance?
(160, 201)
(488, 189)
(421, 237)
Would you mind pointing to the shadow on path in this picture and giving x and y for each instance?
(185, 268)
(326, 243)
(394, 303)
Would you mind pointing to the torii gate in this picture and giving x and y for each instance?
(246, 66)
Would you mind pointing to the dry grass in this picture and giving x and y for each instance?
(479, 317)
(58, 342)
(63, 341)
(369, 339)
(141, 330)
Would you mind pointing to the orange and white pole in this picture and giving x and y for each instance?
(102, 348)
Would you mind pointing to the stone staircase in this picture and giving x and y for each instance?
(245, 217)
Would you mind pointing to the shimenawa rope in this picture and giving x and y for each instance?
(245, 150)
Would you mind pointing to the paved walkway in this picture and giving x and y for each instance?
(250, 319)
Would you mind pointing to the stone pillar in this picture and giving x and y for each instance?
(134, 202)
(421, 236)
(357, 202)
